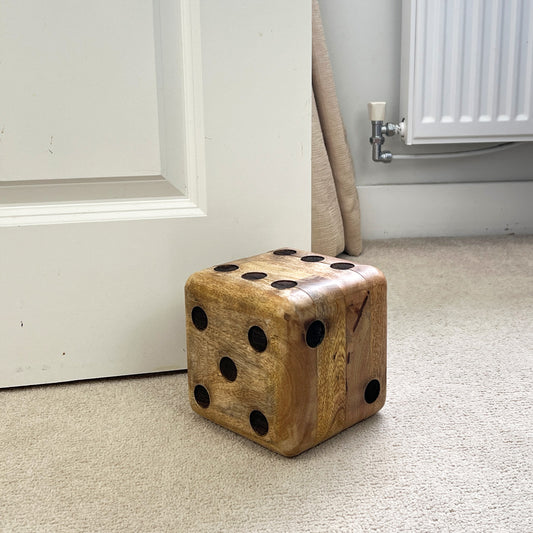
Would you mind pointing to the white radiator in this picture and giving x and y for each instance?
(467, 71)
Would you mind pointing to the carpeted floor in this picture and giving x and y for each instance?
(450, 451)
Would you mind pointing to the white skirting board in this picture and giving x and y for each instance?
(446, 209)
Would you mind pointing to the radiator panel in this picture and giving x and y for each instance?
(467, 70)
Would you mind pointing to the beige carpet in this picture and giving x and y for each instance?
(450, 451)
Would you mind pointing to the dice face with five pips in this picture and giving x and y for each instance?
(286, 348)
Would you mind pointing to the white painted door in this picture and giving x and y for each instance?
(140, 141)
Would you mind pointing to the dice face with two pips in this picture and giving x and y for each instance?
(286, 348)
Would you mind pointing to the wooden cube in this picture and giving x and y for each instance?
(287, 348)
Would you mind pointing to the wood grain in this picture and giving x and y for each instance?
(328, 298)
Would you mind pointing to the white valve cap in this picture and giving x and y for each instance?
(376, 111)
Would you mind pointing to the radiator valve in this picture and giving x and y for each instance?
(376, 114)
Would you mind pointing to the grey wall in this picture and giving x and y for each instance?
(368, 68)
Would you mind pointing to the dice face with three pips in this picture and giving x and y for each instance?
(287, 348)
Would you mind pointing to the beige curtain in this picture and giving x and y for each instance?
(335, 205)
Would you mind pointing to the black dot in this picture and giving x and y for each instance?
(199, 318)
(228, 369)
(254, 275)
(257, 339)
(284, 284)
(372, 391)
(315, 333)
(201, 396)
(342, 266)
(226, 268)
(312, 258)
(285, 251)
(259, 423)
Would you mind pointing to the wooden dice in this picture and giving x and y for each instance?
(287, 348)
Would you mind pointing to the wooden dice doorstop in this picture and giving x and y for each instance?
(287, 348)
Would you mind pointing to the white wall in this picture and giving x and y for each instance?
(363, 37)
